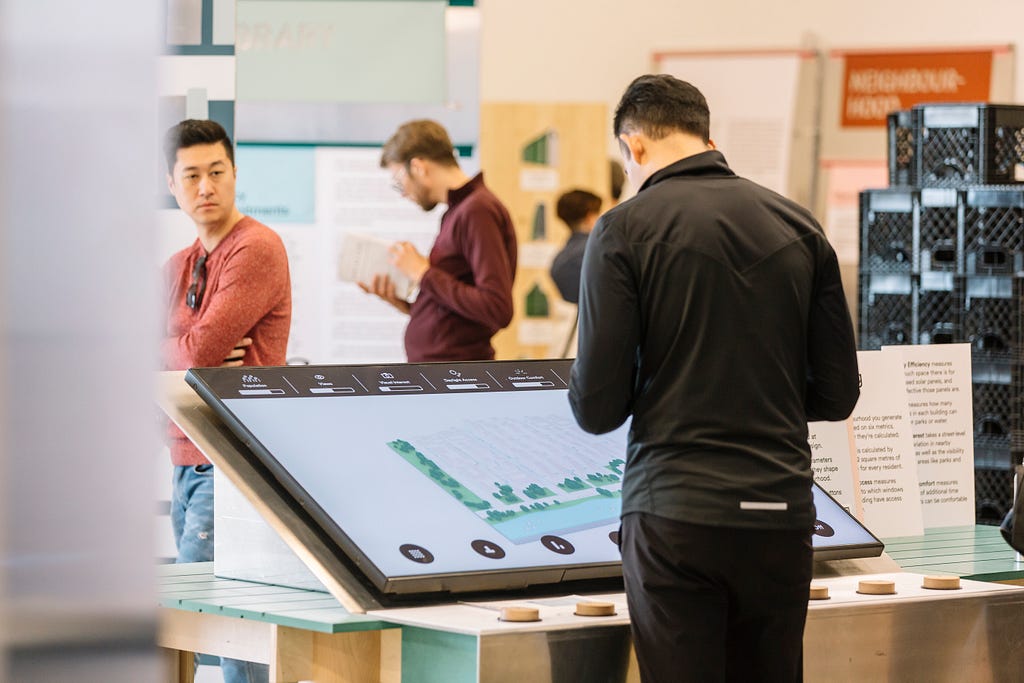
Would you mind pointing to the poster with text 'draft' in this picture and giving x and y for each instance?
(939, 395)
(886, 460)
(358, 52)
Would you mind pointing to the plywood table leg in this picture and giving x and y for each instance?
(179, 666)
(298, 655)
(291, 655)
(351, 657)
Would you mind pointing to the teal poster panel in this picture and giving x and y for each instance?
(276, 183)
(378, 51)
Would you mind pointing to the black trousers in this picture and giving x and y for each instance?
(715, 604)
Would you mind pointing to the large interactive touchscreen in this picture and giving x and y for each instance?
(450, 477)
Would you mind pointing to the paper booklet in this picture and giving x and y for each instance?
(363, 256)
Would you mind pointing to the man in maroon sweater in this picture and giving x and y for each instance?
(465, 286)
(228, 303)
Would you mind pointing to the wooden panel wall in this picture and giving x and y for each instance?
(581, 161)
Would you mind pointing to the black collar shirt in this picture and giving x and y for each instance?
(712, 314)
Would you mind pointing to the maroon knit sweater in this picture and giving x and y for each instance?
(248, 294)
(466, 294)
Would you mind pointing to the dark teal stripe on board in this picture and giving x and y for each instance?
(206, 24)
(200, 50)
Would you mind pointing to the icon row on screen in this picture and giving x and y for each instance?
(493, 551)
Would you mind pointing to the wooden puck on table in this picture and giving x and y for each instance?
(595, 609)
(519, 614)
(941, 583)
(876, 587)
(819, 592)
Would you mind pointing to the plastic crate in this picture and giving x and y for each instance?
(993, 231)
(993, 493)
(968, 144)
(887, 243)
(1017, 438)
(940, 236)
(939, 311)
(901, 148)
(992, 323)
(995, 424)
(886, 310)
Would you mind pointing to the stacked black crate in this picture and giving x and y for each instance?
(887, 281)
(993, 289)
(961, 166)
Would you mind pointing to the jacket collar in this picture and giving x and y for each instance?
(459, 193)
(706, 164)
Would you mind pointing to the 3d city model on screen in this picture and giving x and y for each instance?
(520, 490)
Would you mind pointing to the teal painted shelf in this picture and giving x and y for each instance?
(193, 587)
(971, 552)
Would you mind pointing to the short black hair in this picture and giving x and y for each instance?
(191, 132)
(575, 205)
(659, 104)
(617, 176)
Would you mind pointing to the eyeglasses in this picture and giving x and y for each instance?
(398, 180)
(194, 295)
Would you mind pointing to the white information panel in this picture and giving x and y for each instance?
(886, 462)
(833, 459)
(938, 380)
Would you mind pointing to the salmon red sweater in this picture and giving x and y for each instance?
(248, 294)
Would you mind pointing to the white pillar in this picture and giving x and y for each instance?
(78, 338)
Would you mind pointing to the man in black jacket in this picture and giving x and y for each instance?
(711, 311)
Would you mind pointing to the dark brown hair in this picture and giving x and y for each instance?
(423, 139)
(575, 205)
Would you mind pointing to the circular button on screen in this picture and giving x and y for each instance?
(557, 545)
(488, 549)
(416, 553)
(822, 529)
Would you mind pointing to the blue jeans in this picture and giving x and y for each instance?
(192, 520)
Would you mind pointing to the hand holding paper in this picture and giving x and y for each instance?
(412, 264)
(364, 258)
(382, 286)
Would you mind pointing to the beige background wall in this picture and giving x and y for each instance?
(588, 50)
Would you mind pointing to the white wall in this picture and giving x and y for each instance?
(589, 50)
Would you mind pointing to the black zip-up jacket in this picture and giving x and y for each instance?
(712, 312)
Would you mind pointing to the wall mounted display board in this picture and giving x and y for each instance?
(763, 111)
(315, 51)
(430, 69)
(531, 153)
(313, 197)
(439, 478)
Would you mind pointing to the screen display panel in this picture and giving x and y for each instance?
(450, 476)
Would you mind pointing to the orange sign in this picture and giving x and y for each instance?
(877, 83)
